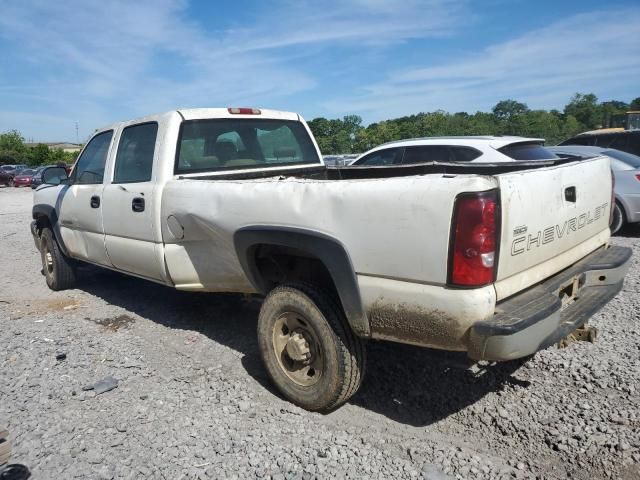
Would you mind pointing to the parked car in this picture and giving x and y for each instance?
(23, 179)
(338, 160)
(36, 178)
(8, 173)
(19, 168)
(625, 140)
(496, 259)
(455, 149)
(626, 169)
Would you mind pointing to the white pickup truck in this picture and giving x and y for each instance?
(498, 260)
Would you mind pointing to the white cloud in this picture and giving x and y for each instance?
(96, 62)
(103, 61)
(595, 52)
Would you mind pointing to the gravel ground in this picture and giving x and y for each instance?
(193, 400)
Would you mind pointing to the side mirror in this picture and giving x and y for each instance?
(55, 176)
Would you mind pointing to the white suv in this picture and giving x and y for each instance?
(456, 149)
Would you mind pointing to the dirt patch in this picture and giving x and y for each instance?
(410, 324)
(21, 308)
(115, 323)
(58, 304)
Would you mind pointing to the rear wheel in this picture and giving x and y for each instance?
(58, 269)
(12, 183)
(618, 218)
(310, 352)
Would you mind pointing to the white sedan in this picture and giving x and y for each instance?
(455, 149)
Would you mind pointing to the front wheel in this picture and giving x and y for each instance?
(618, 218)
(12, 183)
(310, 352)
(58, 269)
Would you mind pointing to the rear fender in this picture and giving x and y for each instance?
(326, 249)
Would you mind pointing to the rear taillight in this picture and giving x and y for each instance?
(638, 177)
(474, 239)
(613, 198)
(244, 111)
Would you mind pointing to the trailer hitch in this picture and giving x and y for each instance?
(585, 333)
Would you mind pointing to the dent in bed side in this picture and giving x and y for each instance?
(329, 251)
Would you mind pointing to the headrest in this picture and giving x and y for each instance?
(226, 150)
(284, 152)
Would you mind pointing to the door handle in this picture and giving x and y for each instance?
(570, 194)
(137, 204)
(95, 201)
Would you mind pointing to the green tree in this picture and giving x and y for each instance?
(507, 109)
(584, 107)
(635, 104)
(610, 109)
(39, 154)
(12, 148)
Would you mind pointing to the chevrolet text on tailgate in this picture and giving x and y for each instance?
(496, 259)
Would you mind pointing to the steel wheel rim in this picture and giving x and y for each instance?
(48, 259)
(297, 349)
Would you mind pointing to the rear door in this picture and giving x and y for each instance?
(129, 221)
(550, 211)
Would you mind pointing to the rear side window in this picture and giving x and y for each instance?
(134, 160)
(427, 153)
(388, 156)
(581, 140)
(603, 140)
(233, 144)
(465, 154)
(89, 168)
(621, 142)
(527, 151)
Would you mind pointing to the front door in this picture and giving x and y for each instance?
(128, 208)
(80, 209)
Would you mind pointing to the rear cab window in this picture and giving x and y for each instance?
(527, 151)
(241, 144)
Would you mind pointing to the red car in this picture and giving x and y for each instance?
(23, 179)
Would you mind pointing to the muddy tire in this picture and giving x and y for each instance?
(618, 219)
(310, 352)
(12, 183)
(58, 270)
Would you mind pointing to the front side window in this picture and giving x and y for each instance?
(230, 144)
(388, 156)
(89, 168)
(134, 160)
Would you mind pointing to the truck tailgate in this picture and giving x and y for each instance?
(551, 217)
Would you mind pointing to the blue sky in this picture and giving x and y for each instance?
(96, 62)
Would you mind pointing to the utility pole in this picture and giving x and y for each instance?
(77, 138)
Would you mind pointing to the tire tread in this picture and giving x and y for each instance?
(64, 272)
(352, 349)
